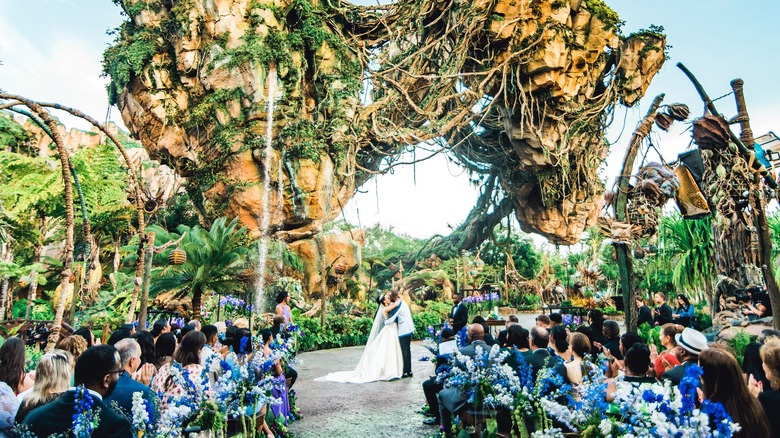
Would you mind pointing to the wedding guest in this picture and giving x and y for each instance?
(596, 321)
(517, 342)
(766, 334)
(722, 382)
(662, 314)
(188, 356)
(87, 334)
(753, 366)
(543, 321)
(73, 344)
(278, 326)
(540, 355)
(118, 335)
(430, 387)
(637, 363)
(555, 319)
(612, 335)
(159, 327)
(280, 411)
(241, 323)
(12, 360)
(691, 343)
(578, 367)
(52, 378)
(164, 349)
(130, 361)
(283, 306)
(588, 332)
(97, 369)
(684, 312)
(146, 342)
(186, 329)
(459, 316)
(667, 358)
(559, 344)
(769, 396)
(488, 338)
(195, 323)
(645, 314)
(502, 342)
(130, 328)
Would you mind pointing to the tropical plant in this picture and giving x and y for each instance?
(216, 261)
(688, 249)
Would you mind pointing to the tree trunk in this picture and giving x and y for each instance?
(147, 277)
(197, 301)
(117, 261)
(33, 288)
(3, 297)
(622, 250)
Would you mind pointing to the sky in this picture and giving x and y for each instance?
(51, 50)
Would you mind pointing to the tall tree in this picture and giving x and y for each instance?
(688, 249)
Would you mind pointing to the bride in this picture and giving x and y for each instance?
(381, 359)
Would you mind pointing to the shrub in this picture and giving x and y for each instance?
(339, 331)
(738, 344)
(421, 322)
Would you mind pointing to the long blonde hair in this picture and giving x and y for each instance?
(52, 375)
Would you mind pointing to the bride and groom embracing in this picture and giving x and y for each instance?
(387, 355)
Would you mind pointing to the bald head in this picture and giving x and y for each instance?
(476, 332)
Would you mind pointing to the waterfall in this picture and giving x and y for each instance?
(265, 218)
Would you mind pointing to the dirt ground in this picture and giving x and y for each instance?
(378, 409)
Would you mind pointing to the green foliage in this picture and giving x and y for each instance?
(739, 342)
(651, 335)
(30, 184)
(525, 257)
(132, 50)
(32, 356)
(688, 249)
(339, 331)
(283, 284)
(441, 308)
(604, 13)
(421, 322)
(41, 309)
(12, 135)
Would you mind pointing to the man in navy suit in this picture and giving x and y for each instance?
(98, 370)
(126, 386)
(459, 316)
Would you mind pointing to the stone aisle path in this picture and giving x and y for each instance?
(378, 409)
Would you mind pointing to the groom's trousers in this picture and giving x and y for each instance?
(406, 352)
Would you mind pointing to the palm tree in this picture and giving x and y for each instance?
(688, 248)
(216, 261)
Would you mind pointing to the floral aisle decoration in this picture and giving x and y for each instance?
(191, 407)
(485, 379)
(650, 409)
(85, 419)
(142, 416)
(483, 302)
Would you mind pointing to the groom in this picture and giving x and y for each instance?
(403, 317)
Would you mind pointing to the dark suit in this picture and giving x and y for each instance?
(57, 417)
(123, 393)
(677, 373)
(460, 316)
(645, 315)
(613, 345)
(452, 400)
(664, 315)
(538, 360)
(502, 335)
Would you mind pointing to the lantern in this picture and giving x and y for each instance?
(25, 281)
(177, 257)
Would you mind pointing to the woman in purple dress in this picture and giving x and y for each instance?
(279, 390)
(283, 306)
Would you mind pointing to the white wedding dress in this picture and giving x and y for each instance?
(381, 359)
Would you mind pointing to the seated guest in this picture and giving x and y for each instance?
(186, 329)
(86, 333)
(195, 323)
(559, 344)
(52, 377)
(118, 335)
(278, 326)
(146, 342)
(130, 361)
(280, 411)
(555, 319)
(766, 334)
(612, 335)
(637, 363)
(130, 328)
(722, 382)
(430, 387)
(241, 323)
(752, 366)
(578, 367)
(502, 334)
(645, 314)
(488, 338)
(588, 332)
(73, 344)
(159, 327)
(540, 355)
(188, 356)
(683, 315)
(596, 319)
(667, 358)
(769, 396)
(97, 369)
(662, 314)
(164, 349)
(690, 344)
(13, 381)
(543, 321)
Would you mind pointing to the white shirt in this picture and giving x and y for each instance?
(404, 318)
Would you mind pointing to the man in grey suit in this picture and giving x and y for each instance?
(539, 356)
(452, 400)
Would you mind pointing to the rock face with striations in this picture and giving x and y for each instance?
(520, 89)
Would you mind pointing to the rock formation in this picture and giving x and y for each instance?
(337, 256)
(519, 91)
